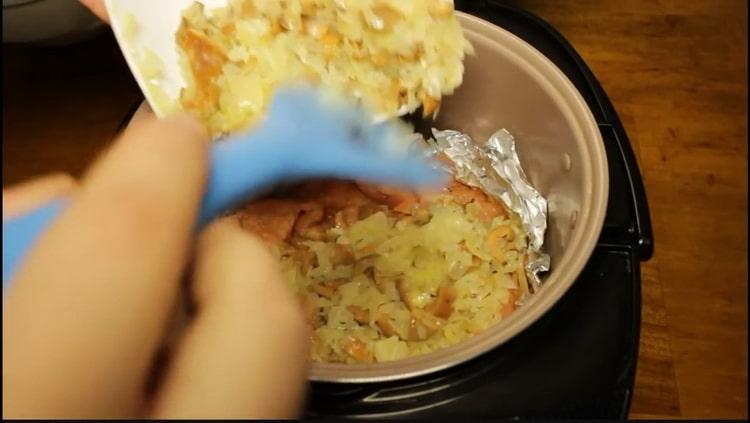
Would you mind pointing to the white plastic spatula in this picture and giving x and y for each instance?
(303, 136)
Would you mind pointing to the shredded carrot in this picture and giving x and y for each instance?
(311, 214)
(384, 323)
(326, 289)
(403, 294)
(399, 200)
(305, 258)
(342, 255)
(361, 315)
(351, 215)
(443, 304)
(507, 308)
(429, 105)
(429, 321)
(414, 330)
(206, 62)
(497, 249)
(523, 283)
(357, 349)
(346, 217)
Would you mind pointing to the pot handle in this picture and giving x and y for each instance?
(644, 232)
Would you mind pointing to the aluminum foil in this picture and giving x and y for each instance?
(494, 168)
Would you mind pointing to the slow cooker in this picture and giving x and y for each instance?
(572, 350)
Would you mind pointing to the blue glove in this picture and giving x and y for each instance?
(305, 135)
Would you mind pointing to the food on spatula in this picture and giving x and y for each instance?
(393, 55)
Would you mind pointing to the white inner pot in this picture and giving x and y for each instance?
(509, 84)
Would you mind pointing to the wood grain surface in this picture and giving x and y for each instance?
(676, 71)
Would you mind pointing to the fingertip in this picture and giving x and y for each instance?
(222, 230)
(64, 181)
(236, 269)
(232, 265)
(189, 125)
(98, 8)
(26, 196)
(248, 326)
(180, 142)
(183, 124)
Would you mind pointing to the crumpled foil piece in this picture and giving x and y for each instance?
(494, 168)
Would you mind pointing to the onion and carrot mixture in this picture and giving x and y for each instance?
(385, 274)
(393, 55)
(382, 274)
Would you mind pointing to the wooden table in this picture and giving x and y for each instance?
(676, 72)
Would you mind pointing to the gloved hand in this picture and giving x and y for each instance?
(305, 135)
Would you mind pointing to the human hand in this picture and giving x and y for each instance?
(90, 306)
(97, 7)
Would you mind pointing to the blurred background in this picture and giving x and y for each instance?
(675, 70)
(48, 22)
